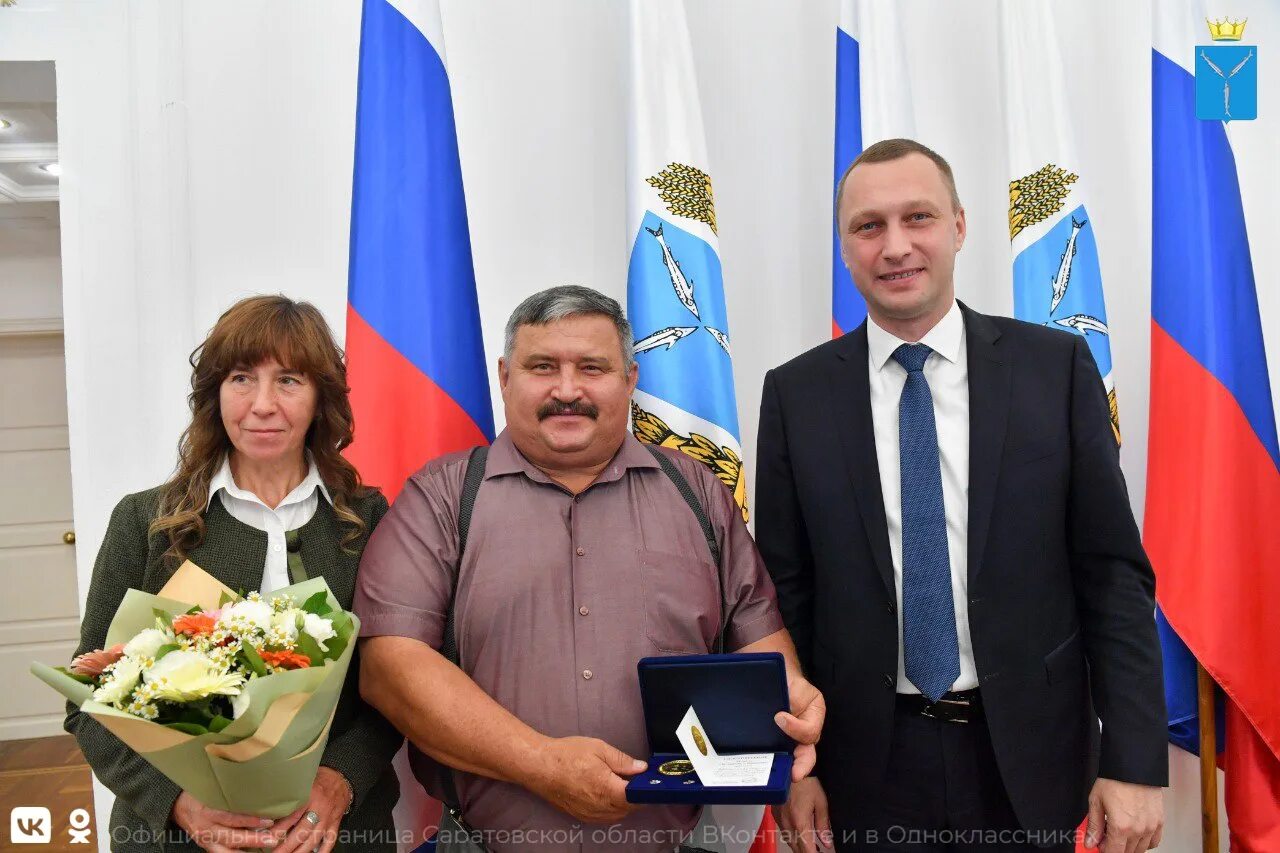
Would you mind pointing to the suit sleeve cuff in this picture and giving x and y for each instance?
(1149, 769)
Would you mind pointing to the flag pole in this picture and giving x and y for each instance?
(1208, 762)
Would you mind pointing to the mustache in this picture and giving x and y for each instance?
(555, 407)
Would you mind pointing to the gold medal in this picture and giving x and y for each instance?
(679, 767)
(699, 740)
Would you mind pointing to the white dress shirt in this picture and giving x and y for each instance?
(947, 372)
(294, 511)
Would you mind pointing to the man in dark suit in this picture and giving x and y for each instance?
(940, 504)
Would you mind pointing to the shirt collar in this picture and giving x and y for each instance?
(223, 480)
(504, 458)
(946, 338)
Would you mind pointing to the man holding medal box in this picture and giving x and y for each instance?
(576, 552)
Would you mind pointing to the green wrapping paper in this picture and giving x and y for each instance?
(265, 761)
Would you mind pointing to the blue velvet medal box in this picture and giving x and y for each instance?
(736, 697)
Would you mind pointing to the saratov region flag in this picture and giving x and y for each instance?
(675, 290)
(1057, 280)
(415, 359)
(1213, 467)
(675, 297)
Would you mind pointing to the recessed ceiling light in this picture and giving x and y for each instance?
(52, 168)
(3, 124)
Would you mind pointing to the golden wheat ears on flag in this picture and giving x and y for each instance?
(1037, 197)
(687, 191)
(722, 461)
(1114, 405)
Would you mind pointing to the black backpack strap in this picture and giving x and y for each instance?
(466, 503)
(470, 488)
(449, 647)
(686, 491)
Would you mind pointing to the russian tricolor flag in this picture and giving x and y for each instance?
(848, 309)
(873, 102)
(1213, 475)
(415, 359)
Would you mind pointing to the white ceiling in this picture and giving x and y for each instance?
(27, 102)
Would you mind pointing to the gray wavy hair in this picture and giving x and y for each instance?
(569, 300)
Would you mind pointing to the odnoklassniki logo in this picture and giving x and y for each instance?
(1226, 74)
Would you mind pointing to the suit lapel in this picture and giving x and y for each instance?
(851, 405)
(989, 384)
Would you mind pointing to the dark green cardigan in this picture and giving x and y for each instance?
(361, 742)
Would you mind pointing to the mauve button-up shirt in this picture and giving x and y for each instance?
(559, 597)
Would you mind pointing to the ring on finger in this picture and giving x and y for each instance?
(312, 818)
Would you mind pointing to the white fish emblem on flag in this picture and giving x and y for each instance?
(1057, 276)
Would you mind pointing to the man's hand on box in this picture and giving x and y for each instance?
(586, 778)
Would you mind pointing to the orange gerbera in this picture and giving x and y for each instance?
(194, 624)
(285, 659)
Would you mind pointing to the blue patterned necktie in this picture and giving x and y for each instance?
(931, 652)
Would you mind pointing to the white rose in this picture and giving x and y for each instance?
(287, 621)
(256, 613)
(319, 628)
(147, 643)
(185, 676)
(122, 679)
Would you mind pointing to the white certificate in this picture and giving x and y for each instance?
(721, 771)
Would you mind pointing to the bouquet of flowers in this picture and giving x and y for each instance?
(228, 696)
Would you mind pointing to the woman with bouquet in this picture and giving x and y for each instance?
(261, 499)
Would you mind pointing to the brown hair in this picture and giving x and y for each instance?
(895, 149)
(249, 332)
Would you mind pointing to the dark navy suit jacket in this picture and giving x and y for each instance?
(1061, 595)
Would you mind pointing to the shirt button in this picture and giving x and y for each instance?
(275, 547)
(582, 552)
(583, 611)
(586, 673)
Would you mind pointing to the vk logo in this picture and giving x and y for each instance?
(30, 825)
